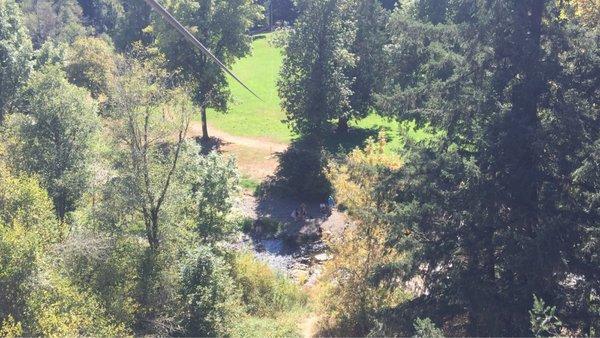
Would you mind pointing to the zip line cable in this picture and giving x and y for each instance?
(192, 39)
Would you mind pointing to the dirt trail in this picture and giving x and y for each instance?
(308, 326)
(255, 143)
(256, 157)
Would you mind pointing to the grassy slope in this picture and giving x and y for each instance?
(250, 117)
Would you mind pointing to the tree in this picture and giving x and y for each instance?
(368, 47)
(15, 55)
(91, 64)
(489, 206)
(104, 15)
(152, 122)
(543, 319)
(215, 184)
(353, 290)
(60, 20)
(212, 302)
(426, 328)
(314, 84)
(53, 137)
(132, 24)
(221, 25)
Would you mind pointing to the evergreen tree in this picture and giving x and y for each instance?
(15, 55)
(315, 87)
(132, 24)
(490, 207)
(104, 15)
(368, 47)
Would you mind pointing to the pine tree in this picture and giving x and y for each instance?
(314, 84)
(490, 206)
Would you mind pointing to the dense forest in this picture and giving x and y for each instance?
(118, 218)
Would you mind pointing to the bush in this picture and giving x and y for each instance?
(211, 300)
(282, 326)
(300, 172)
(264, 292)
(426, 328)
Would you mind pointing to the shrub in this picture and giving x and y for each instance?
(211, 300)
(264, 292)
(426, 328)
(282, 326)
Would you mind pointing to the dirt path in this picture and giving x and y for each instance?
(308, 326)
(256, 157)
(254, 143)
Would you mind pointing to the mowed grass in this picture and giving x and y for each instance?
(247, 115)
(251, 117)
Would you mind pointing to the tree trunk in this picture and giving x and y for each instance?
(204, 125)
(342, 127)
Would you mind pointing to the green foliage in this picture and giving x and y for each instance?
(58, 308)
(15, 55)
(211, 300)
(132, 25)
(53, 137)
(490, 207)
(60, 21)
(368, 46)
(221, 26)
(265, 293)
(314, 86)
(150, 121)
(9, 328)
(107, 266)
(91, 64)
(50, 54)
(36, 299)
(104, 15)
(216, 184)
(426, 328)
(543, 319)
(352, 288)
(27, 228)
(24, 202)
(284, 326)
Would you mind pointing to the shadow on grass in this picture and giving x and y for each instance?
(210, 144)
(345, 142)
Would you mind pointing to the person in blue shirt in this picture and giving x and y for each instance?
(330, 202)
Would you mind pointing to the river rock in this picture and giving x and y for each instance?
(322, 257)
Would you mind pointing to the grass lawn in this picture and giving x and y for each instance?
(247, 115)
(251, 117)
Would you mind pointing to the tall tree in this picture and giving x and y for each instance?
(151, 121)
(490, 207)
(314, 84)
(91, 63)
(222, 26)
(368, 47)
(53, 138)
(133, 23)
(60, 20)
(104, 15)
(15, 55)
